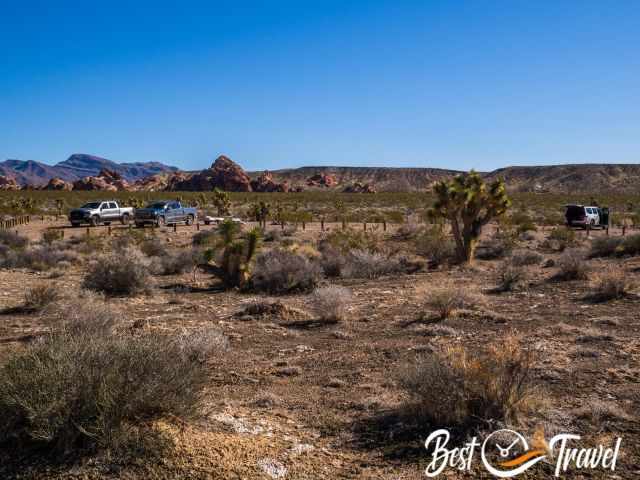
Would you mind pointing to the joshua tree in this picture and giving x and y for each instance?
(469, 204)
(260, 212)
(234, 267)
(222, 202)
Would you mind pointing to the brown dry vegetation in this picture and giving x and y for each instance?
(319, 382)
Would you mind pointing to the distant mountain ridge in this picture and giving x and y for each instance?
(77, 166)
(570, 178)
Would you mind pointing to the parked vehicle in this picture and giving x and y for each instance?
(208, 220)
(165, 213)
(95, 213)
(586, 215)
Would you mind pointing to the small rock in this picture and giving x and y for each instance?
(289, 372)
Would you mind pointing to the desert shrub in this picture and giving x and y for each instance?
(39, 258)
(348, 239)
(88, 244)
(12, 239)
(510, 277)
(122, 273)
(205, 238)
(446, 300)
(365, 264)
(434, 245)
(609, 284)
(525, 257)
(572, 265)
(520, 222)
(606, 246)
(153, 247)
(86, 385)
(332, 261)
(51, 235)
(39, 297)
(330, 303)
(273, 235)
(631, 245)
(290, 230)
(176, 263)
(281, 271)
(459, 387)
(408, 231)
(499, 246)
(561, 238)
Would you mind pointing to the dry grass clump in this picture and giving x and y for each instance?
(366, 264)
(178, 262)
(281, 271)
(87, 385)
(448, 299)
(526, 257)
(510, 277)
(12, 239)
(609, 284)
(39, 297)
(38, 258)
(459, 387)
(606, 246)
(572, 266)
(560, 238)
(122, 273)
(331, 302)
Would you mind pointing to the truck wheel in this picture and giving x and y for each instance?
(160, 221)
(95, 221)
(125, 219)
(189, 220)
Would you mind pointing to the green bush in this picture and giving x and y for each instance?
(86, 384)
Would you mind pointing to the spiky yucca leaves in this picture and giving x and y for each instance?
(469, 204)
(234, 268)
(222, 202)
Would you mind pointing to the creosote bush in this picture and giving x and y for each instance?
(122, 273)
(572, 265)
(446, 300)
(87, 384)
(610, 284)
(281, 271)
(464, 388)
(510, 277)
(330, 303)
(39, 297)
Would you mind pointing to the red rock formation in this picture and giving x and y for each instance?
(223, 174)
(358, 187)
(58, 184)
(8, 183)
(106, 180)
(265, 183)
(322, 180)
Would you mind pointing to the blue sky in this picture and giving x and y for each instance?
(452, 84)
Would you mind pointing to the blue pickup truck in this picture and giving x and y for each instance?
(165, 212)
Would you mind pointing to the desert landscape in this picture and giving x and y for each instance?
(331, 352)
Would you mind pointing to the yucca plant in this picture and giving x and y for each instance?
(234, 267)
(468, 204)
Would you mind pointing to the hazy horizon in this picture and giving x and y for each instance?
(287, 84)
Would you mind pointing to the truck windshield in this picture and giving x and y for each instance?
(157, 205)
(91, 205)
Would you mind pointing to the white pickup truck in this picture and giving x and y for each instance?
(95, 213)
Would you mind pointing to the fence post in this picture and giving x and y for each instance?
(384, 225)
(588, 229)
(624, 230)
(109, 230)
(88, 232)
(364, 226)
(198, 226)
(304, 226)
(175, 227)
(322, 224)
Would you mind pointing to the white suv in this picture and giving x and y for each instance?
(582, 215)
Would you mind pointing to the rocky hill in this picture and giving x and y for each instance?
(76, 167)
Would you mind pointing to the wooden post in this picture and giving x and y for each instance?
(198, 226)
(364, 226)
(109, 230)
(304, 226)
(344, 224)
(384, 225)
(322, 224)
(588, 229)
(624, 229)
(175, 227)
(88, 232)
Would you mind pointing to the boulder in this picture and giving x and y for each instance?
(265, 183)
(224, 174)
(106, 180)
(322, 180)
(58, 184)
(8, 183)
(358, 187)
